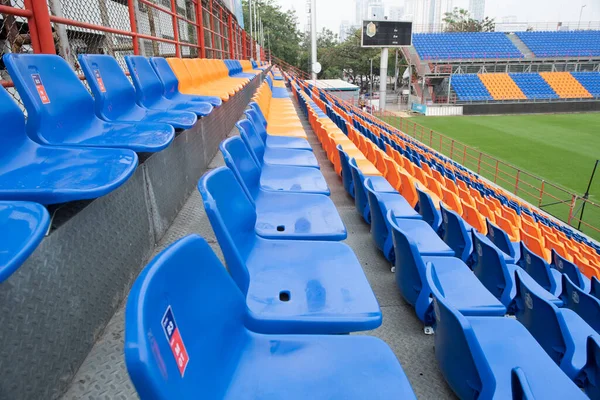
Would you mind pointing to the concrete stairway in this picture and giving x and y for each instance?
(520, 45)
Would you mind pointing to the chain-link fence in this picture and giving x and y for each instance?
(165, 28)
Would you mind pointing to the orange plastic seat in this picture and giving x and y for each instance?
(434, 186)
(474, 218)
(511, 230)
(452, 201)
(535, 245)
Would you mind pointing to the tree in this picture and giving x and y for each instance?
(280, 27)
(459, 20)
(327, 52)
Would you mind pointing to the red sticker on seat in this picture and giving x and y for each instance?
(37, 80)
(99, 80)
(175, 340)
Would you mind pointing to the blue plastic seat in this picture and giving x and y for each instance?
(278, 178)
(498, 276)
(380, 203)
(548, 278)
(22, 228)
(459, 283)
(115, 97)
(52, 174)
(275, 142)
(502, 241)
(290, 286)
(455, 233)
(265, 155)
(184, 297)
(584, 304)
(53, 93)
(480, 356)
(361, 201)
(236, 70)
(284, 215)
(171, 84)
(149, 90)
(571, 270)
(561, 332)
(428, 211)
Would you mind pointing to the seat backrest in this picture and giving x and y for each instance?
(346, 173)
(519, 385)
(148, 86)
(595, 287)
(584, 304)
(427, 209)
(51, 92)
(360, 197)
(185, 297)
(378, 225)
(13, 125)
(457, 350)
(491, 268)
(455, 233)
(252, 140)
(410, 269)
(233, 218)
(537, 268)
(167, 76)
(541, 318)
(260, 117)
(182, 72)
(566, 267)
(239, 160)
(113, 93)
(500, 238)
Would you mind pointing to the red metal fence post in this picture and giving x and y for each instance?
(479, 163)
(175, 29)
(41, 14)
(244, 45)
(541, 193)
(572, 208)
(496, 174)
(33, 32)
(517, 181)
(231, 42)
(200, 28)
(133, 26)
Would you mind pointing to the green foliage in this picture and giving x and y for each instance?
(459, 20)
(280, 27)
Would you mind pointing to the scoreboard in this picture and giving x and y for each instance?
(386, 34)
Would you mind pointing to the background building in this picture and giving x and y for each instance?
(477, 9)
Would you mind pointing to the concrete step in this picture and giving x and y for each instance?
(520, 45)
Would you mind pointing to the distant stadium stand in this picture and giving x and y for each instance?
(534, 86)
(565, 85)
(562, 43)
(590, 81)
(501, 87)
(459, 45)
(468, 87)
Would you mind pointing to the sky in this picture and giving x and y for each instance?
(330, 13)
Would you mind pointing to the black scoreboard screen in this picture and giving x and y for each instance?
(386, 34)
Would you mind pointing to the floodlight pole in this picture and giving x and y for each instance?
(313, 37)
(371, 91)
(251, 26)
(580, 13)
(383, 67)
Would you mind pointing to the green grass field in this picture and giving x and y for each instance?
(561, 149)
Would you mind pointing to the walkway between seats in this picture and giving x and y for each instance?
(103, 374)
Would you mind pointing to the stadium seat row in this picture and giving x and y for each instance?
(59, 155)
(269, 329)
(497, 45)
(481, 353)
(521, 86)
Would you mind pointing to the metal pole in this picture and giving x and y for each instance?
(371, 84)
(580, 13)
(396, 72)
(256, 31)
(383, 78)
(587, 194)
(449, 85)
(313, 36)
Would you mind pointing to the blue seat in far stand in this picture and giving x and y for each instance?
(584, 304)
(281, 178)
(22, 228)
(54, 92)
(274, 142)
(561, 332)
(457, 280)
(499, 277)
(115, 97)
(480, 356)
(571, 270)
(149, 89)
(52, 174)
(186, 296)
(171, 84)
(380, 203)
(278, 156)
(284, 215)
(290, 286)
